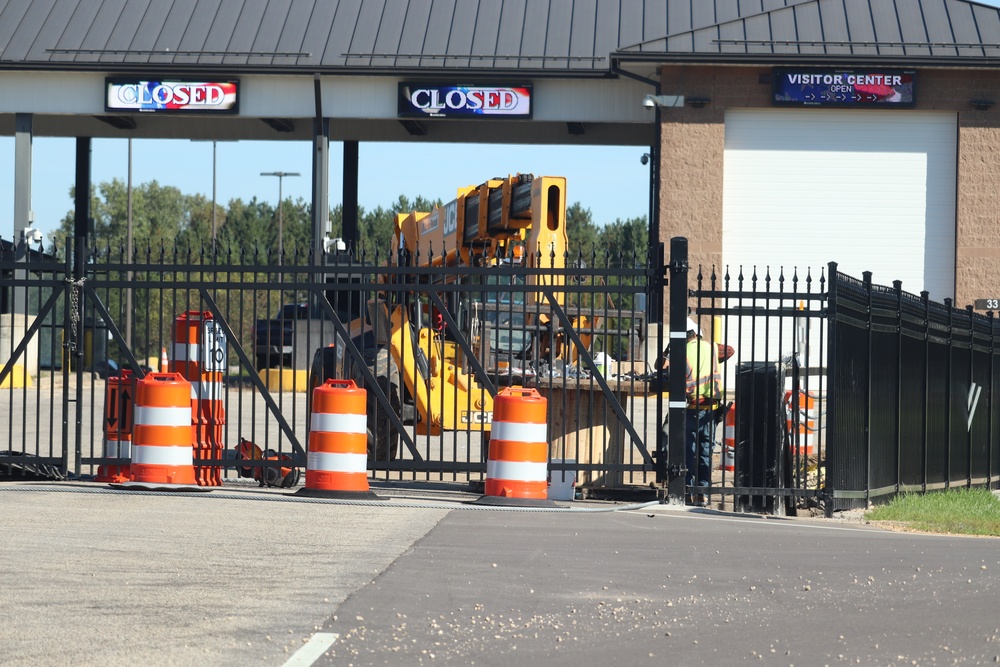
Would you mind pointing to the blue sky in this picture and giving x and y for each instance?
(610, 181)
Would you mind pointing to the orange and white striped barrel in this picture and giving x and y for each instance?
(801, 428)
(207, 411)
(186, 349)
(163, 435)
(337, 460)
(119, 399)
(802, 439)
(517, 464)
(208, 416)
(729, 441)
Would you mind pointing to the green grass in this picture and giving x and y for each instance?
(958, 512)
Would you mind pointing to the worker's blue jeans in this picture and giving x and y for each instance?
(698, 454)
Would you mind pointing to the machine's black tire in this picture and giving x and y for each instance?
(383, 438)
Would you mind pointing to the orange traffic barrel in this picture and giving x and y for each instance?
(208, 416)
(162, 434)
(207, 411)
(517, 464)
(337, 460)
(186, 349)
(729, 441)
(802, 436)
(801, 427)
(119, 397)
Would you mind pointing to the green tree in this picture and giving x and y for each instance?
(581, 231)
(159, 214)
(248, 236)
(626, 241)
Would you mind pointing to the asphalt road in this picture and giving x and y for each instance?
(247, 577)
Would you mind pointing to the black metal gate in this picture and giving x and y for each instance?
(577, 335)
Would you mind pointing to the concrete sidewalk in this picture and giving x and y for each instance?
(99, 577)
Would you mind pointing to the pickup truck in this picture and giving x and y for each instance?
(272, 339)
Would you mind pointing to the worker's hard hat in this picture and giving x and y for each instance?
(693, 326)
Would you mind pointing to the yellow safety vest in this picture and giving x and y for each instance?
(703, 382)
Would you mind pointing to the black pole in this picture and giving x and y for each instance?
(350, 230)
(81, 216)
(656, 298)
(925, 442)
(677, 407)
(320, 176)
(866, 279)
(81, 224)
(973, 398)
(990, 398)
(897, 287)
(833, 388)
(947, 395)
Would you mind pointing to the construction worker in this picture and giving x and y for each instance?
(702, 395)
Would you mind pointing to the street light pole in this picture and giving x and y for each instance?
(214, 227)
(128, 250)
(281, 177)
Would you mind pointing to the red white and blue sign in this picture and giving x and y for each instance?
(194, 97)
(843, 88)
(428, 100)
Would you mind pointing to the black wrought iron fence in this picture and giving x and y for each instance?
(916, 405)
(768, 324)
(840, 391)
(431, 343)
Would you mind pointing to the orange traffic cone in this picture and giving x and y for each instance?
(337, 461)
(517, 465)
(164, 361)
(163, 435)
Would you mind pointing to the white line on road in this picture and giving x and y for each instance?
(312, 649)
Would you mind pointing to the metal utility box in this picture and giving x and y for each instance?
(760, 435)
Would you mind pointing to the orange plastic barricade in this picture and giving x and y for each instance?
(208, 414)
(517, 464)
(162, 434)
(119, 398)
(729, 441)
(337, 460)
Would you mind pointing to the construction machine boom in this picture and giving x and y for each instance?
(518, 220)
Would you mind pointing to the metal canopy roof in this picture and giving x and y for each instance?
(528, 37)
(914, 32)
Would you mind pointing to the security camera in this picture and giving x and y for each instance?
(665, 101)
(644, 159)
(334, 245)
(31, 235)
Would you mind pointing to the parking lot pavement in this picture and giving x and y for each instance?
(248, 577)
(660, 586)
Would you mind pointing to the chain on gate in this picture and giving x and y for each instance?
(75, 288)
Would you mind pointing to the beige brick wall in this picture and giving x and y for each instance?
(693, 141)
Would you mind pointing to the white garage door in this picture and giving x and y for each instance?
(871, 190)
